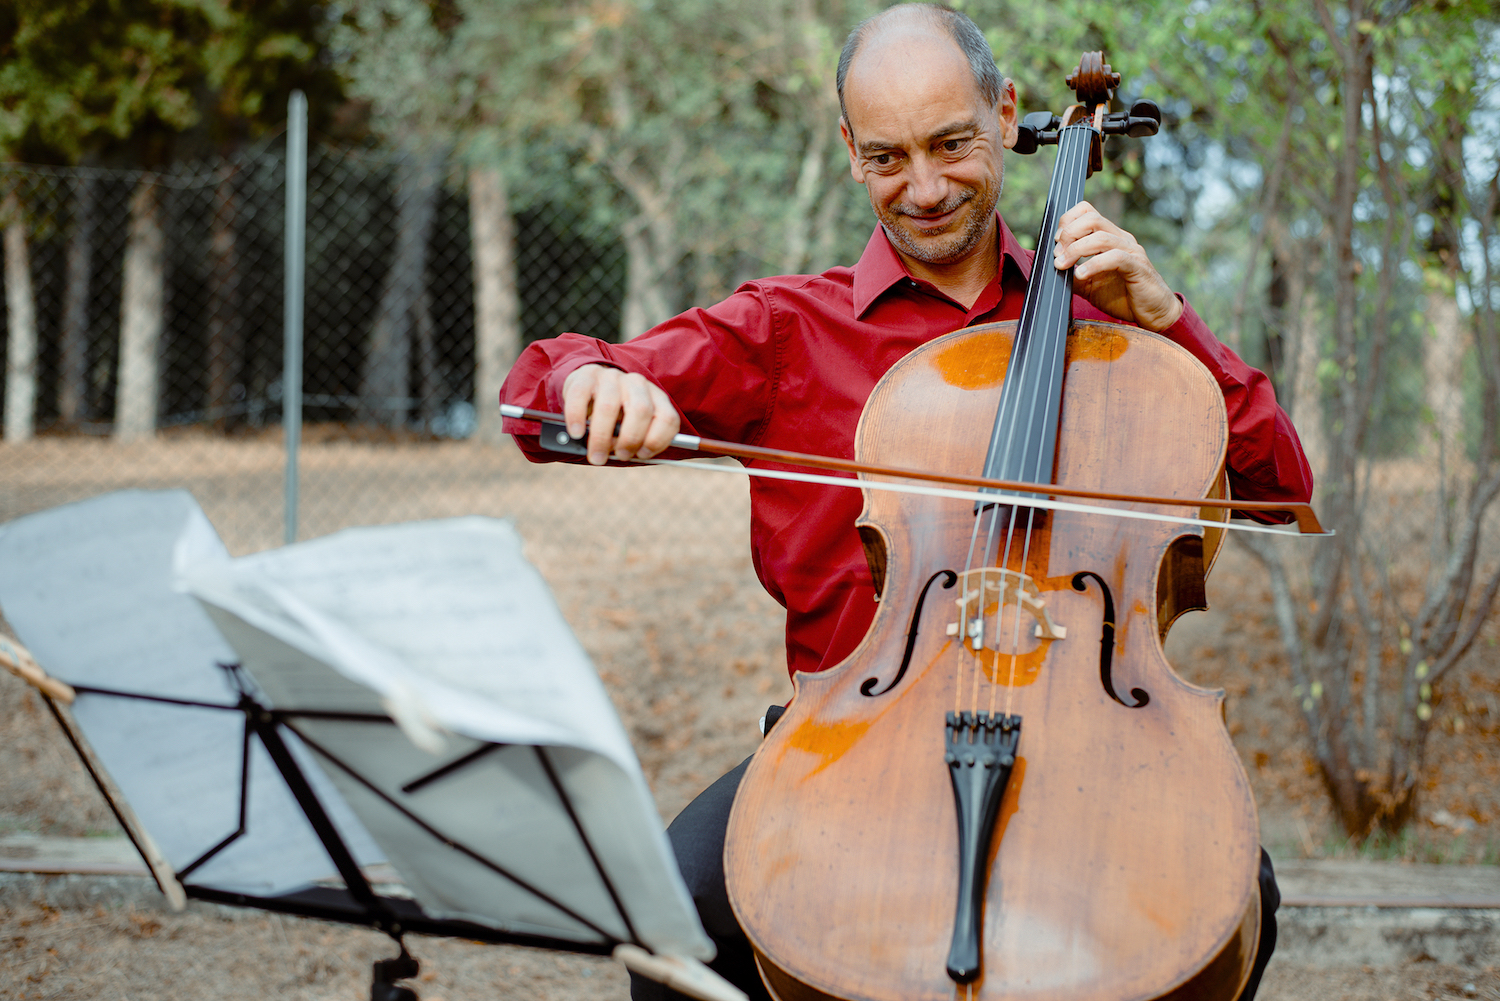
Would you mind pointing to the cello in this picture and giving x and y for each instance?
(1005, 791)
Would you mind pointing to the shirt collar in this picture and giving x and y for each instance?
(880, 267)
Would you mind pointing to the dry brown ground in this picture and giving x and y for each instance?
(116, 955)
(650, 568)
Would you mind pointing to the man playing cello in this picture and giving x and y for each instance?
(788, 362)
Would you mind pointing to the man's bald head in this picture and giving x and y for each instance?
(909, 17)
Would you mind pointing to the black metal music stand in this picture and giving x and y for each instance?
(357, 902)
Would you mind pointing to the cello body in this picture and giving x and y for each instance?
(1125, 851)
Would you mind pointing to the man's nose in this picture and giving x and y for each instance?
(926, 187)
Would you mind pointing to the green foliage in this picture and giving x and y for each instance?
(78, 77)
(696, 124)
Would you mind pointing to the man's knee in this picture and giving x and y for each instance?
(697, 837)
(1270, 900)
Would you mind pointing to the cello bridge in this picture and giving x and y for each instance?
(986, 594)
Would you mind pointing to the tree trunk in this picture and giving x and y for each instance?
(1294, 314)
(226, 338)
(142, 304)
(650, 257)
(429, 390)
(497, 326)
(800, 217)
(73, 366)
(826, 230)
(1442, 362)
(386, 388)
(1307, 393)
(20, 305)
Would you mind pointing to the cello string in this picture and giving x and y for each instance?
(1037, 376)
(1056, 289)
(963, 611)
(1000, 561)
(1010, 410)
(1040, 299)
(1015, 639)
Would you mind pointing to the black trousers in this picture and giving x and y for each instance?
(697, 837)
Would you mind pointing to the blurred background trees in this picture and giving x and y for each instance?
(140, 85)
(1325, 189)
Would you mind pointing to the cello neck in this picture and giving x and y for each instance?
(1024, 438)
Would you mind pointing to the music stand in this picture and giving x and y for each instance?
(275, 731)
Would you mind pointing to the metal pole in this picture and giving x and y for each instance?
(296, 243)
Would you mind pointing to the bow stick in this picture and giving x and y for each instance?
(554, 427)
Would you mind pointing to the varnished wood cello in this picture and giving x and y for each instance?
(1005, 791)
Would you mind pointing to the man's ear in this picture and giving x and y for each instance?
(1005, 112)
(856, 171)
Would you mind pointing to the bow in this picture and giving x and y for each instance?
(555, 437)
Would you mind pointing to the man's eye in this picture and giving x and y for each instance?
(883, 159)
(953, 145)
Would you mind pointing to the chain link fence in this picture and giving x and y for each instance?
(143, 333)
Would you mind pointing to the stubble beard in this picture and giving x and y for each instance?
(956, 246)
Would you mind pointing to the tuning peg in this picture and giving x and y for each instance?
(1042, 121)
(1037, 129)
(1145, 119)
(1026, 140)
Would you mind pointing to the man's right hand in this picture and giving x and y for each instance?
(600, 396)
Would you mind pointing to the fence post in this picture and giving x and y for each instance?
(497, 328)
(20, 361)
(142, 302)
(296, 238)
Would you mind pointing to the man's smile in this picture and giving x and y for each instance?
(938, 218)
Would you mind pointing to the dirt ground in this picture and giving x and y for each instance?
(116, 955)
(651, 569)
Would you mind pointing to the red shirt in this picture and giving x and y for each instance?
(788, 363)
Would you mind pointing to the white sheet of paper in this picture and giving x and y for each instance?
(446, 626)
(88, 587)
(445, 617)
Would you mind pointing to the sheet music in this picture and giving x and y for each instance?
(505, 741)
(446, 627)
(88, 588)
(445, 620)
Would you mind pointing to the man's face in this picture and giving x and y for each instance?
(926, 145)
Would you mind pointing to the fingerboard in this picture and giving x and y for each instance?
(1024, 440)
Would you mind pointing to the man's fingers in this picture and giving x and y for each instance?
(578, 395)
(1105, 260)
(1081, 219)
(638, 412)
(1073, 214)
(1066, 256)
(1087, 238)
(1111, 269)
(664, 424)
(602, 397)
(603, 415)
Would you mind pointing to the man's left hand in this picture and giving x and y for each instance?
(1117, 277)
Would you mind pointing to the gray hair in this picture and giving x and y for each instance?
(964, 32)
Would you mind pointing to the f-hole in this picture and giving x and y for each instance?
(1107, 641)
(867, 687)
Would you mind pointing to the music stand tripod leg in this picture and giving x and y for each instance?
(383, 986)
